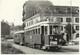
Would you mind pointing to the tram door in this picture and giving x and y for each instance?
(55, 38)
(21, 38)
(42, 34)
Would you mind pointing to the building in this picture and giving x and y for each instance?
(42, 12)
(5, 29)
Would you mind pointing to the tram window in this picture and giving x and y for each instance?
(17, 36)
(55, 29)
(42, 30)
(62, 28)
(27, 32)
(33, 31)
(38, 30)
(30, 31)
(50, 29)
(45, 29)
(14, 36)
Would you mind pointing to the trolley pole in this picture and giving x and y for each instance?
(71, 21)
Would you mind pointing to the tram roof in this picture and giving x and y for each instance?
(22, 31)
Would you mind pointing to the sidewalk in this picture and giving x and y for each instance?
(71, 47)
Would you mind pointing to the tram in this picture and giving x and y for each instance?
(44, 36)
(19, 37)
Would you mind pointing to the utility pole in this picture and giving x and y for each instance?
(71, 20)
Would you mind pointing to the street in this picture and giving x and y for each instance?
(73, 49)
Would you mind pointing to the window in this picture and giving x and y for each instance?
(76, 19)
(61, 19)
(68, 19)
(77, 35)
(45, 29)
(62, 28)
(38, 30)
(77, 27)
(50, 29)
(33, 31)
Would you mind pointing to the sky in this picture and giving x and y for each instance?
(11, 10)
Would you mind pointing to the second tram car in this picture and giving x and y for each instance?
(19, 37)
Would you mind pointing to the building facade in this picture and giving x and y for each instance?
(44, 12)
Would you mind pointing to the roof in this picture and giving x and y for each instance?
(47, 8)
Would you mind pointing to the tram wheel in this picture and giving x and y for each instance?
(34, 45)
(39, 46)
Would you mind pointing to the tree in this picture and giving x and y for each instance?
(5, 28)
(69, 30)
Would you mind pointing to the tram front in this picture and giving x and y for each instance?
(52, 35)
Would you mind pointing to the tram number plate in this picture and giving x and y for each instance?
(53, 42)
